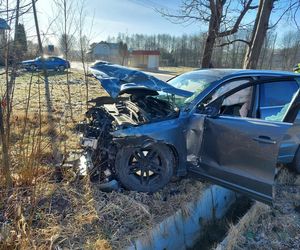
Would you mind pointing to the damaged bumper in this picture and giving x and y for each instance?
(87, 142)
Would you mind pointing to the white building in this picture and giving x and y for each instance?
(148, 59)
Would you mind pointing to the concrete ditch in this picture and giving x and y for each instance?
(182, 230)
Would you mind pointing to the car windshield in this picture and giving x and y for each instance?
(194, 82)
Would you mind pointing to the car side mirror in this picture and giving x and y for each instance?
(211, 111)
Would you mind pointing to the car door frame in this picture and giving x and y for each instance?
(211, 115)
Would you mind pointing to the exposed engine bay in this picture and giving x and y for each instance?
(108, 115)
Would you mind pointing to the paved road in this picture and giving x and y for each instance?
(161, 76)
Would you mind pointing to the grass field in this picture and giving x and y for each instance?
(176, 70)
(72, 214)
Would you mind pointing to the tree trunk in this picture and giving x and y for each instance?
(258, 34)
(5, 154)
(213, 29)
(272, 53)
(209, 45)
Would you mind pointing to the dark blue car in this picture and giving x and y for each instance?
(51, 63)
(235, 128)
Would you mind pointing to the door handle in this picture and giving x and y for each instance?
(264, 139)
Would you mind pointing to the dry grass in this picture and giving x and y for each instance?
(236, 232)
(176, 70)
(42, 214)
(265, 227)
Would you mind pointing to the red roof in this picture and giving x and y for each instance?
(146, 52)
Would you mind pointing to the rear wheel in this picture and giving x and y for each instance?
(145, 169)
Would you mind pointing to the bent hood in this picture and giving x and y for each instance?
(116, 80)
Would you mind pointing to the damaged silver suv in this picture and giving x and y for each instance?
(232, 127)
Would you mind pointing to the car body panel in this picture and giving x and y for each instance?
(289, 144)
(51, 63)
(242, 152)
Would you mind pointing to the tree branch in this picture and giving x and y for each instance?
(282, 15)
(238, 21)
(233, 41)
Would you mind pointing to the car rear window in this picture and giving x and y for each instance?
(277, 93)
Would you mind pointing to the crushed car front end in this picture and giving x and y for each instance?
(138, 120)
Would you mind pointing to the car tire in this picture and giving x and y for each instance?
(145, 169)
(32, 67)
(296, 162)
(61, 68)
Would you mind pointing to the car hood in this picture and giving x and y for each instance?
(117, 80)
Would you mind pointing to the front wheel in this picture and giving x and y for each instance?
(32, 67)
(61, 68)
(145, 169)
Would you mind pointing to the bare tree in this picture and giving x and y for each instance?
(66, 25)
(84, 41)
(7, 102)
(223, 18)
(258, 34)
(290, 49)
(123, 52)
(261, 26)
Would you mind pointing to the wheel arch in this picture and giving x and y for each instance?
(176, 157)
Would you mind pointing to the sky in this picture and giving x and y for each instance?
(110, 17)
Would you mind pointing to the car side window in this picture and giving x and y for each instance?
(274, 99)
(236, 104)
(267, 101)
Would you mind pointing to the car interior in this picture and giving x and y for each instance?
(264, 101)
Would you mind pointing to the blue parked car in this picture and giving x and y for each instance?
(51, 63)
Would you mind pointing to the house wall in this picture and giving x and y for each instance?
(107, 52)
(144, 61)
(153, 62)
(139, 61)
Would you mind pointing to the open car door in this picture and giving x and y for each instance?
(241, 153)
